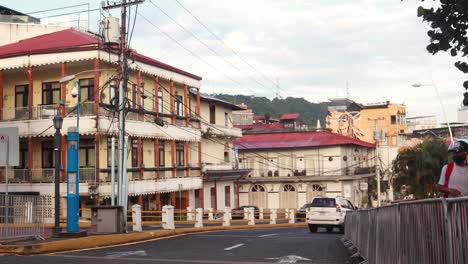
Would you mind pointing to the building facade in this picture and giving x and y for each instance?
(164, 162)
(290, 168)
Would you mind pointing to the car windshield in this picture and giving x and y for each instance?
(323, 202)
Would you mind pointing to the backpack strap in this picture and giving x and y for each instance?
(448, 173)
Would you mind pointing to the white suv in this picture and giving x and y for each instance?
(328, 212)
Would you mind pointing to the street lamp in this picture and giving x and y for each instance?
(58, 121)
(417, 85)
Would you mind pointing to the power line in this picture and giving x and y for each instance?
(206, 45)
(59, 8)
(71, 13)
(225, 44)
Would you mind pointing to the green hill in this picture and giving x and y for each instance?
(309, 112)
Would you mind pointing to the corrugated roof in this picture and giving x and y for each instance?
(289, 116)
(296, 140)
(72, 40)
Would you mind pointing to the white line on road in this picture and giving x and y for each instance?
(267, 235)
(233, 247)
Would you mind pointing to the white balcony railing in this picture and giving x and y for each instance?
(44, 111)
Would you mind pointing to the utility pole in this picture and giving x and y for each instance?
(377, 156)
(122, 163)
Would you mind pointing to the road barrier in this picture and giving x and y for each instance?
(23, 216)
(426, 231)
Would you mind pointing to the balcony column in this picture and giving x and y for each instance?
(173, 160)
(63, 92)
(171, 101)
(138, 100)
(200, 198)
(215, 195)
(139, 157)
(187, 158)
(186, 108)
(155, 94)
(1, 94)
(30, 157)
(97, 141)
(156, 156)
(198, 108)
(173, 199)
(97, 93)
(29, 72)
(158, 201)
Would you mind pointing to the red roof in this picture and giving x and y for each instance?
(261, 126)
(259, 117)
(296, 140)
(72, 40)
(289, 116)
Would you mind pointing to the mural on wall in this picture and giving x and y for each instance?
(344, 123)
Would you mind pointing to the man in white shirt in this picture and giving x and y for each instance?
(453, 180)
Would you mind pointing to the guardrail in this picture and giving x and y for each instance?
(425, 231)
(23, 216)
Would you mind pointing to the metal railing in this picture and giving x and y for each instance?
(426, 231)
(44, 111)
(23, 216)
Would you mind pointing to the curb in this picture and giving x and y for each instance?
(97, 241)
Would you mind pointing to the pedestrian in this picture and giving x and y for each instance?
(453, 180)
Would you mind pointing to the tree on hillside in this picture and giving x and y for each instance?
(449, 25)
(419, 167)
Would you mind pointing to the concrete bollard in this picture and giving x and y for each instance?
(273, 216)
(260, 213)
(136, 218)
(168, 217)
(190, 214)
(199, 217)
(210, 214)
(227, 217)
(246, 213)
(251, 216)
(292, 216)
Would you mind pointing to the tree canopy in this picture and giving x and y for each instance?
(449, 24)
(419, 167)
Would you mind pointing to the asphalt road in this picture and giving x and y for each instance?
(280, 245)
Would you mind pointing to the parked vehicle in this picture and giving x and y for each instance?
(329, 213)
(301, 213)
(238, 213)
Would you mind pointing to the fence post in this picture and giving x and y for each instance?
(292, 216)
(250, 215)
(448, 230)
(273, 216)
(210, 214)
(29, 212)
(260, 216)
(227, 216)
(168, 217)
(136, 217)
(199, 217)
(246, 213)
(190, 214)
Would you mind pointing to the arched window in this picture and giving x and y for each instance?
(288, 188)
(258, 188)
(317, 188)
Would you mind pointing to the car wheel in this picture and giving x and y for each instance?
(342, 229)
(329, 229)
(313, 228)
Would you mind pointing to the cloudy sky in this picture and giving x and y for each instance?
(310, 48)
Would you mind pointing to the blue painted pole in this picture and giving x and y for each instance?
(73, 183)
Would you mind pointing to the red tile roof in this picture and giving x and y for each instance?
(296, 140)
(289, 116)
(72, 40)
(259, 117)
(261, 126)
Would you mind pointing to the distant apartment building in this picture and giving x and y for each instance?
(243, 116)
(420, 123)
(290, 168)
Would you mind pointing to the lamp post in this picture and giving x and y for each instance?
(58, 121)
(417, 85)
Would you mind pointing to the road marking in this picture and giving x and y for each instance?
(267, 235)
(290, 259)
(126, 254)
(233, 247)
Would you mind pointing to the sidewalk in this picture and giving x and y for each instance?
(53, 245)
